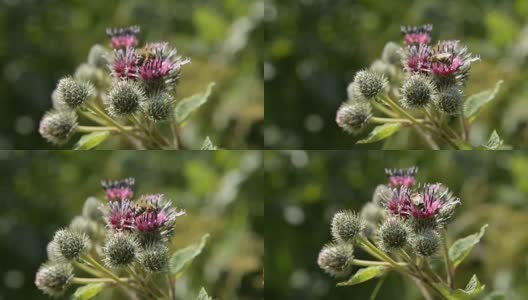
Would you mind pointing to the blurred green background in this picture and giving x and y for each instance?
(305, 189)
(314, 47)
(43, 40)
(41, 192)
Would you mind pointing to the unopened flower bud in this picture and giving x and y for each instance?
(391, 53)
(393, 234)
(418, 91)
(58, 126)
(427, 243)
(159, 107)
(74, 93)
(381, 67)
(369, 84)
(450, 100)
(124, 98)
(352, 117)
(82, 224)
(70, 244)
(346, 225)
(53, 278)
(53, 253)
(98, 56)
(91, 209)
(336, 259)
(154, 257)
(89, 73)
(120, 250)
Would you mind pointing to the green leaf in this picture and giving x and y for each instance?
(494, 142)
(183, 257)
(380, 132)
(88, 291)
(185, 107)
(462, 247)
(208, 145)
(91, 140)
(203, 295)
(473, 289)
(495, 296)
(364, 274)
(475, 102)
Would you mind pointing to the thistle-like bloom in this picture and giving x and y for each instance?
(426, 243)
(154, 257)
(123, 37)
(391, 53)
(417, 59)
(393, 234)
(53, 278)
(74, 93)
(450, 100)
(118, 189)
(162, 65)
(336, 259)
(120, 250)
(399, 177)
(120, 216)
(124, 98)
(124, 64)
(70, 244)
(450, 59)
(417, 34)
(431, 201)
(418, 91)
(367, 84)
(399, 202)
(158, 107)
(351, 117)
(346, 225)
(154, 214)
(58, 126)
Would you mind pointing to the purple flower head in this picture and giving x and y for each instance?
(161, 64)
(399, 202)
(417, 59)
(433, 201)
(120, 216)
(124, 65)
(155, 214)
(417, 34)
(123, 37)
(118, 189)
(449, 59)
(399, 177)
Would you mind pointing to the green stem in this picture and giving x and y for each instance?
(381, 255)
(85, 129)
(371, 263)
(379, 120)
(377, 288)
(78, 280)
(106, 271)
(88, 270)
(384, 110)
(103, 115)
(448, 266)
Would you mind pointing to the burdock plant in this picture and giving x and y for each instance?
(123, 242)
(127, 91)
(404, 229)
(419, 85)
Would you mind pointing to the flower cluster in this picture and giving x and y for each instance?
(127, 90)
(124, 234)
(402, 215)
(403, 227)
(415, 84)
